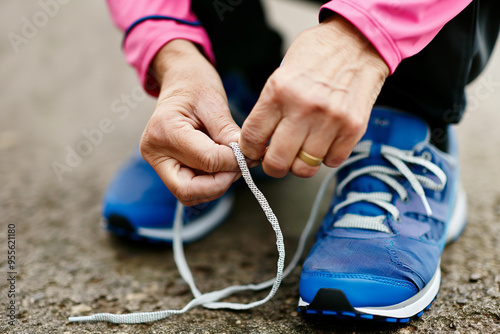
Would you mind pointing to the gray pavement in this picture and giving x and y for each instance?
(66, 76)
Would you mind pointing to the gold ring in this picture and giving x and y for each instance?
(309, 159)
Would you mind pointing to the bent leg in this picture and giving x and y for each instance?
(431, 83)
(242, 40)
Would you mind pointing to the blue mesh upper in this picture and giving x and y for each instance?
(409, 256)
(138, 194)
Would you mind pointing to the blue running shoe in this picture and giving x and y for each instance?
(138, 206)
(398, 202)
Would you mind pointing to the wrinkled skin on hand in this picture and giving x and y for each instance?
(186, 138)
(319, 101)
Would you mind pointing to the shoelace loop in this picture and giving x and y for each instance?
(385, 174)
(211, 299)
(399, 159)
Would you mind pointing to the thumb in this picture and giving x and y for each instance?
(222, 128)
(230, 132)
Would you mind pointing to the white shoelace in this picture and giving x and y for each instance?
(211, 299)
(398, 158)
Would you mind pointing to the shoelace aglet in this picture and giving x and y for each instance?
(82, 318)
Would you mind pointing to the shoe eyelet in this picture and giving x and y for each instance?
(398, 219)
(427, 156)
(405, 200)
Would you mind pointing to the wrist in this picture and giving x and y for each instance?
(336, 25)
(173, 55)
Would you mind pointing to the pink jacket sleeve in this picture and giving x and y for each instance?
(397, 29)
(146, 38)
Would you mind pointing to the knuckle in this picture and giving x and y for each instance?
(331, 162)
(249, 139)
(304, 172)
(209, 162)
(228, 130)
(144, 145)
(354, 126)
(333, 115)
(186, 203)
(146, 151)
(149, 154)
(336, 159)
(309, 104)
(278, 83)
(318, 97)
(319, 102)
(183, 195)
(275, 167)
(155, 133)
(250, 133)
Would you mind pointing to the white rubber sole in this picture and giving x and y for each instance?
(409, 307)
(424, 298)
(197, 228)
(405, 309)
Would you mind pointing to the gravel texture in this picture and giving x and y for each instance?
(62, 81)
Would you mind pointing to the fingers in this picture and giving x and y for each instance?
(197, 141)
(191, 188)
(186, 138)
(225, 131)
(194, 166)
(190, 147)
(344, 143)
(318, 145)
(325, 133)
(259, 126)
(298, 115)
(283, 148)
(318, 101)
(217, 121)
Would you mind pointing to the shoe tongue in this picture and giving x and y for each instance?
(391, 128)
(397, 129)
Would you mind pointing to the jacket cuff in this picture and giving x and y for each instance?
(146, 39)
(369, 27)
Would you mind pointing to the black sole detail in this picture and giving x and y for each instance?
(130, 234)
(331, 300)
(120, 222)
(333, 303)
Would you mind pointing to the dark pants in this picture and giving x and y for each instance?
(430, 84)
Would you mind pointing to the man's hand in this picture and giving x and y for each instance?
(186, 138)
(319, 100)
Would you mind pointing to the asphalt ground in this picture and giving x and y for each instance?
(60, 80)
